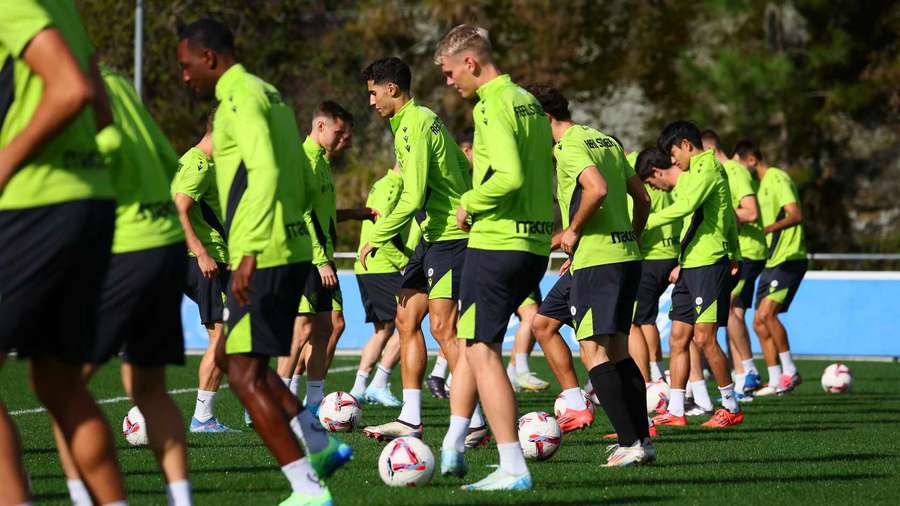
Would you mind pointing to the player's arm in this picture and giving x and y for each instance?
(67, 90)
(792, 216)
(593, 191)
(208, 265)
(358, 214)
(412, 198)
(507, 176)
(103, 116)
(697, 187)
(640, 203)
(747, 210)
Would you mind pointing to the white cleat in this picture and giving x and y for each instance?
(624, 456)
(531, 383)
(766, 391)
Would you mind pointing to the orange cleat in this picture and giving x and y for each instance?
(667, 418)
(724, 418)
(653, 433)
(575, 419)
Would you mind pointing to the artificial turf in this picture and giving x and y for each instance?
(806, 447)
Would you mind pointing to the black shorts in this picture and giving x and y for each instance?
(603, 298)
(556, 304)
(535, 297)
(140, 308)
(52, 263)
(436, 268)
(494, 283)
(379, 295)
(654, 281)
(746, 282)
(266, 325)
(703, 294)
(780, 283)
(318, 299)
(208, 294)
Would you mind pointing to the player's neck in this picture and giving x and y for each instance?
(488, 72)
(205, 145)
(761, 169)
(559, 128)
(720, 155)
(400, 101)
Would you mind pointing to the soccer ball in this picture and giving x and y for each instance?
(657, 396)
(406, 462)
(339, 412)
(539, 435)
(837, 378)
(559, 407)
(134, 428)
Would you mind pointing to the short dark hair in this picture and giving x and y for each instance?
(210, 116)
(650, 159)
(208, 34)
(333, 110)
(389, 70)
(745, 148)
(467, 136)
(677, 131)
(553, 102)
(710, 134)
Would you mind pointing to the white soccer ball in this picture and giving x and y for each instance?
(559, 407)
(837, 378)
(657, 396)
(134, 428)
(406, 462)
(539, 435)
(339, 412)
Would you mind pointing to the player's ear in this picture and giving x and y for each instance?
(209, 57)
(393, 90)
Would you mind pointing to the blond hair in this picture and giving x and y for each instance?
(464, 38)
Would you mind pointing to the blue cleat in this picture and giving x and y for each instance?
(211, 425)
(331, 458)
(453, 463)
(382, 396)
(501, 480)
(297, 499)
(314, 409)
(752, 382)
(247, 421)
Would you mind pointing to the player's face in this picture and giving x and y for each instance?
(458, 71)
(681, 154)
(466, 148)
(331, 131)
(345, 142)
(663, 179)
(196, 69)
(380, 99)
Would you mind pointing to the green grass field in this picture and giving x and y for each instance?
(807, 447)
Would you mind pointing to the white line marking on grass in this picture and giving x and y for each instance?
(177, 391)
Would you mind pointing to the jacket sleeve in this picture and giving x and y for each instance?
(415, 157)
(697, 186)
(506, 174)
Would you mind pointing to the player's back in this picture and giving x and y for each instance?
(705, 234)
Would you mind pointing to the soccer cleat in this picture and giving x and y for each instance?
(724, 418)
(501, 480)
(331, 458)
(453, 463)
(382, 396)
(589, 391)
(649, 451)
(698, 411)
(766, 391)
(298, 499)
(477, 436)
(247, 421)
(392, 430)
(313, 408)
(612, 436)
(787, 383)
(668, 418)
(573, 419)
(624, 456)
(511, 375)
(438, 387)
(211, 425)
(531, 383)
(752, 382)
(742, 398)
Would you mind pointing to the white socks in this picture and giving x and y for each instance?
(455, 439)
(359, 385)
(729, 401)
(512, 460)
(787, 363)
(411, 412)
(178, 493)
(295, 384)
(302, 477)
(701, 394)
(315, 391)
(749, 366)
(382, 374)
(774, 375)
(203, 409)
(477, 420)
(656, 371)
(78, 493)
(676, 402)
(308, 429)
(522, 363)
(440, 367)
(574, 399)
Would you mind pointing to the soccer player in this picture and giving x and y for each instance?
(435, 175)
(264, 183)
(378, 288)
(785, 266)
(659, 248)
(510, 218)
(708, 260)
(57, 213)
(197, 200)
(605, 268)
(752, 241)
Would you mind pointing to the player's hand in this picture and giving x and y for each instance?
(366, 250)
(462, 217)
(564, 268)
(568, 241)
(326, 274)
(240, 280)
(208, 266)
(673, 276)
(735, 267)
(369, 213)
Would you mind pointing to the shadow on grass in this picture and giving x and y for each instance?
(730, 480)
(583, 501)
(843, 457)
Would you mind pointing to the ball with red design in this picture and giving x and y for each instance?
(406, 462)
(657, 396)
(539, 435)
(134, 428)
(837, 378)
(339, 412)
(559, 407)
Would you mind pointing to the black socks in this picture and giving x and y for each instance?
(610, 391)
